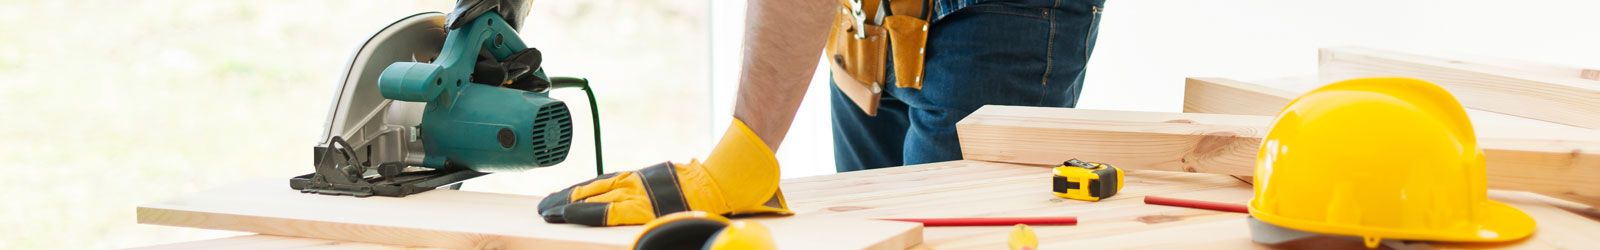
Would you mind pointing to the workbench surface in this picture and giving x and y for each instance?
(975, 188)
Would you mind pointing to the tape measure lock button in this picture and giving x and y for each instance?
(1089, 181)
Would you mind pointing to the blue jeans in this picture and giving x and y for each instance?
(979, 52)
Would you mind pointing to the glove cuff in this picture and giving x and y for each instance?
(743, 167)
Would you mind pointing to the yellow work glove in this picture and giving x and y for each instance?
(739, 177)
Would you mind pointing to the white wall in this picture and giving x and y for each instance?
(1146, 48)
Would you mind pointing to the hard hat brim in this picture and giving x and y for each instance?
(1503, 222)
(1499, 222)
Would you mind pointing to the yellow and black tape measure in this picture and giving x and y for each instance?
(1090, 181)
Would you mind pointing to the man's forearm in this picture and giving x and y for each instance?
(783, 39)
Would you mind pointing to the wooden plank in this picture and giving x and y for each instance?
(265, 242)
(459, 219)
(1205, 143)
(1227, 96)
(1524, 66)
(976, 188)
(1227, 144)
(1302, 84)
(1566, 100)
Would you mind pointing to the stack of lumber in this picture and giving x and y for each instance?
(1535, 123)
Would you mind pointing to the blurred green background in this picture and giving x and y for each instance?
(110, 104)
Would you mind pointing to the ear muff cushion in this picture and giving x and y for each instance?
(689, 234)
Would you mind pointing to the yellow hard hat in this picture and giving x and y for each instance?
(1379, 158)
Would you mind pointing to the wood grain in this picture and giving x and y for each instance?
(459, 219)
(1227, 144)
(1217, 95)
(258, 241)
(976, 188)
(1206, 143)
(1226, 96)
(1565, 99)
(1543, 69)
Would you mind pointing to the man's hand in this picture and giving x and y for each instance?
(740, 177)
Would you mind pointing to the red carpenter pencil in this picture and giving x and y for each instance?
(989, 221)
(1207, 205)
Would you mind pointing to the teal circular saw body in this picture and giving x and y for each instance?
(480, 126)
(424, 106)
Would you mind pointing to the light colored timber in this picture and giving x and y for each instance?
(1559, 99)
(459, 220)
(1227, 144)
(1528, 67)
(1227, 96)
(976, 188)
(264, 242)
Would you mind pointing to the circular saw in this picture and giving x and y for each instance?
(432, 100)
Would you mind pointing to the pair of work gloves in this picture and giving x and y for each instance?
(740, 177)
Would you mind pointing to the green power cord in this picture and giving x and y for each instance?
(594, 112)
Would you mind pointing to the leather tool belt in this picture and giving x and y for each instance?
(862, 36)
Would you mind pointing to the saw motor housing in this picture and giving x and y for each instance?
(449, 104)
(480, 126)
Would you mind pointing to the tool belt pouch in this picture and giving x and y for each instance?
(908, 37)
(858, 63)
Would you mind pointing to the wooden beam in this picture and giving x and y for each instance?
(1226, 96)
(1205, 143)
(459, 220)
(1565, 100)
(1543, 69)
(1227, 144)
(271, 242)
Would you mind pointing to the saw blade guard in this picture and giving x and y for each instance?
(358, 113)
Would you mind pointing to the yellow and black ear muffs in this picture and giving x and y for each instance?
(691, 230)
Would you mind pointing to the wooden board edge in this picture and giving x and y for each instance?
(1564, 100)
(1227, 96)
(905, 240)
(397, 235)
(261, 241)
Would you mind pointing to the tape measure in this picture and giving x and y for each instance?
(1090, 181)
